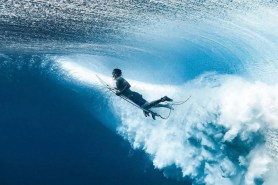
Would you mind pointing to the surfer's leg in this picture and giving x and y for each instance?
(166, 105)
(149, 105)
(156, 103)
(166, 98)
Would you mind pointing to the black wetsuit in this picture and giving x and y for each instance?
(135, 97)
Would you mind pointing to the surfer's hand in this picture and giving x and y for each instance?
(118, 93)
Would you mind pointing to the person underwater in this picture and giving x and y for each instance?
(123, 89)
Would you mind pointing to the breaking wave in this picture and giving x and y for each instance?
(223, 53)
(217, 138)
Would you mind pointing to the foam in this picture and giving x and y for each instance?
(214, 138)
(221, 136)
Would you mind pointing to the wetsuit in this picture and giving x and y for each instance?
(135, 97)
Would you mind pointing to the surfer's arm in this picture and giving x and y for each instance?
(122, 86)
(126, 87)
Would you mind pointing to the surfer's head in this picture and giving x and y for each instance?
(116, 72)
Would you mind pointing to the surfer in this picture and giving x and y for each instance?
(123, 89)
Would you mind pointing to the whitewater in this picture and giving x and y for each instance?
(222, 53)
(226, 136)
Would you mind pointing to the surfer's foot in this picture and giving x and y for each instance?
(165, 98)
(169, 106)
(153, 116)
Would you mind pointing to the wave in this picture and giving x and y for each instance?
(221, 136)
(215, 139)
(223, 53)
(225, 134)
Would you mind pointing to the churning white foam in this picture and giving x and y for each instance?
(225, 134)
(218, 137)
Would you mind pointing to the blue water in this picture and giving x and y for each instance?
(58, 125)
(47, 137)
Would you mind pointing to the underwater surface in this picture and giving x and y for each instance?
(60, 125)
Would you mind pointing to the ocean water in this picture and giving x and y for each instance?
(59, 125)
